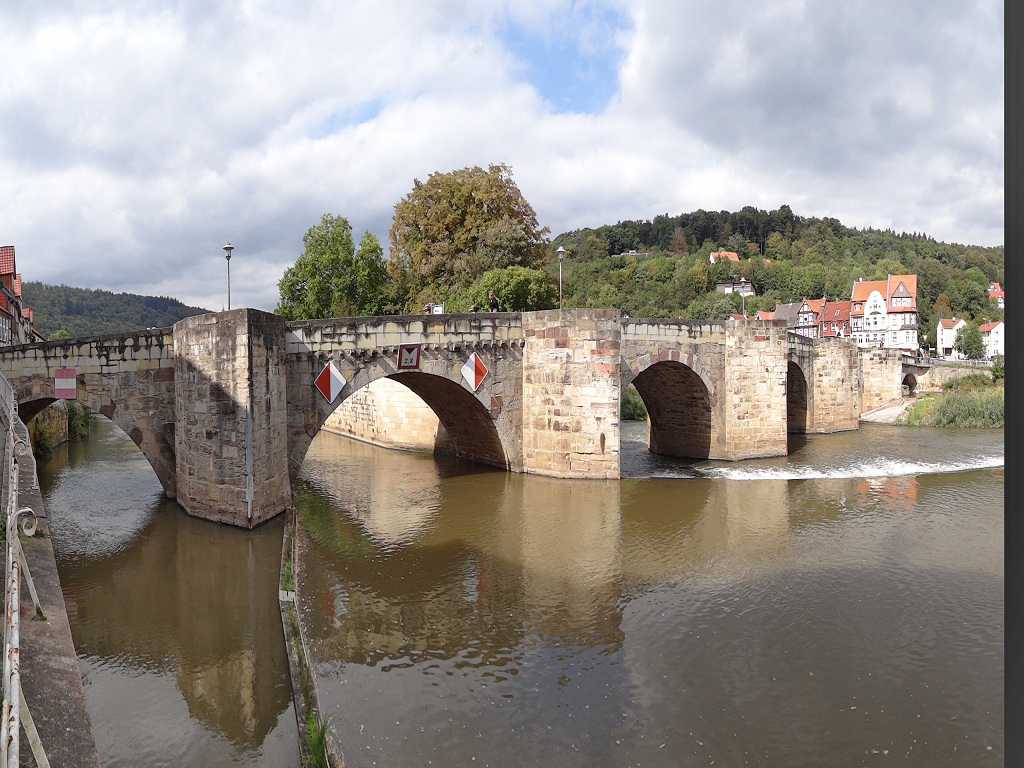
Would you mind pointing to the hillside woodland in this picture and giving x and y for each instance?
(87, 312)
(661, 268)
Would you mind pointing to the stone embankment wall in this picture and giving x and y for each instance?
(941, 372)
(49, 428)
(391, 415)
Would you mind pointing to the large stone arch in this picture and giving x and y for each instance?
(796, 399)
(679, 408)
(910, 382)
(478, 430)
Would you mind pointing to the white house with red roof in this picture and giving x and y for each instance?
(883, 313)
(997, 293)
(993, 337)
(717, 256)
(945, 336)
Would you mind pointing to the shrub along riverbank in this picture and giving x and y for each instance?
(971, 401)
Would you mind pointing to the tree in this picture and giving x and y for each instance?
(517, 289)
(450, 230)
(332, 279)
(968, 342)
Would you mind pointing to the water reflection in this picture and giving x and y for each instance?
(175, 620)
(509, 620)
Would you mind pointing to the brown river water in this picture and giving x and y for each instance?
(841, 606)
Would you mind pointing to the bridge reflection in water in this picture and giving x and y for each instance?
(511, 620)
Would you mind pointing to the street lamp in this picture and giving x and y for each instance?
(743, 295)
(228, 248)
(561, 253)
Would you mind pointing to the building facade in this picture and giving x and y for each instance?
(883, 313)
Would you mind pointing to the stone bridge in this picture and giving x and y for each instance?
(225, 406)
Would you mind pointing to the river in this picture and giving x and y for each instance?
(840, 606)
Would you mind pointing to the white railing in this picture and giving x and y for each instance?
(15, 712)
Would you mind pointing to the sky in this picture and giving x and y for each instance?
(137, 138)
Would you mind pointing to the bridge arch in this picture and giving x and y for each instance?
(910, 382)
(477, 432)
(678, 403)
(156, 445)
(796, 399)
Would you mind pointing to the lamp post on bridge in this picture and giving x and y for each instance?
(228, 248)
(743, 296)
(561, 253)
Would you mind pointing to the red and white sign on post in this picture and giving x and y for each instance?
(330, 382)
(65, 384)
(474, 371)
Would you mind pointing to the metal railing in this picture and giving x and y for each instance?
(15, 712)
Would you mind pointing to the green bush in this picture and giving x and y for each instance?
(969, 383)
(965, 407)
(79, 417)
(633, 408)
(997, 368)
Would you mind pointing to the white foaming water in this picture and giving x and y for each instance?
(874, 468)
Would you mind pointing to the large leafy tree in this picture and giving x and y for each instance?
(331, 278)
(455, 226)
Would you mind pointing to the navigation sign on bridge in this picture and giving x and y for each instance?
(474, 371)
(330, 382)
(65, 384)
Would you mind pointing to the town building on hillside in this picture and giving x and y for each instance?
(835, 319)
(808, 316)
(15, 318)
(764, 314)
(995, 292)
(717, 256)
(884, 312)
(788, 313)
(742, 286)
(945, 336)
(992, 336)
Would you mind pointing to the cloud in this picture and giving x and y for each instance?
(137, 139)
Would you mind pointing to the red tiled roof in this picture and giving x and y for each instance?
(724, 255)
(863, 288)
(949, 323)
(17, 285)
(763, 314)
(986, 327)
(6, 259)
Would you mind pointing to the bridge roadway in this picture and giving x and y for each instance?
(224, 404)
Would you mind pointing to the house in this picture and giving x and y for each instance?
(763, 314)
(993, 337)
(787, 312)
(945, 336)
(742, 286)
(884, 312)
(15, 318)
(995, 292)
(717, 256)
(808, 317)
(835, 320)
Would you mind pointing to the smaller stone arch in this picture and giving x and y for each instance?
(679, 410)
(796, 399)
(909, 384)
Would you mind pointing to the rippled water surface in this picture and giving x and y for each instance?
(840, 606)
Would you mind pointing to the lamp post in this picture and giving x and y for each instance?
(561, 253)
(228, 248)
(743, 296)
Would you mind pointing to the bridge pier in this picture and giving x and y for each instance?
(231, 440)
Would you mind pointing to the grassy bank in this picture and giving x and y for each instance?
(972, 401)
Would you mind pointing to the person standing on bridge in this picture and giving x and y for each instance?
(492, 300)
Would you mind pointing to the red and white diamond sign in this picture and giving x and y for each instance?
(474, 371)
(65, 384)
(330, 382)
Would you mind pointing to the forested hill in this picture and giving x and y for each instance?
(87, 312)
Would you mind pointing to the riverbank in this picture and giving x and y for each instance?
(888, 414)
